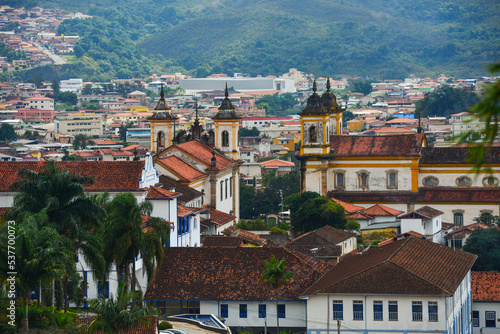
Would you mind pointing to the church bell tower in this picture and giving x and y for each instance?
(227, 125)
(162, 126)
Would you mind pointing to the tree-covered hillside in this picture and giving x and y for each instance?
(383, 39)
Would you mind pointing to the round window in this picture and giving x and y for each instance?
(464, 181)
(490, 181)
(431, 181)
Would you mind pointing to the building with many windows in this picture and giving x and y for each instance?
(400, 171)
(485, 302)
(75, 125)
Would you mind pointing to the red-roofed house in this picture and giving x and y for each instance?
(485, 302)
(281, 167)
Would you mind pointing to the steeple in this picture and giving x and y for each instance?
(162, 110)
(314, 104)
(196, 128)
(226, 109)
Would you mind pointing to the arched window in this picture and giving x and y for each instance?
(161, 140)
(458, 218)
(313, 134)
(225, 138)
(363, 177)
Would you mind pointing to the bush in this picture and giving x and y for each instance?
(165, 325)
(277, 230)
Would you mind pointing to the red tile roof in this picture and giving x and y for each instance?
(381, 210)
(203, 153)
(425, 212)
(182, 169)
(326, 235)
(349, 208)
(230, 273)
(391, 145)
(463, 231)
(409, 266)
(160, 193)
(218, 217)
(107, 175)
(104, 142)
(250, 237)
(183, 211)
(222, 241)
(275, 163)
(401, 236)
(486, 286)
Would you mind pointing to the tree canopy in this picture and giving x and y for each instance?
(446, 100)
(485, 243)
(360, 86)
(318, 212)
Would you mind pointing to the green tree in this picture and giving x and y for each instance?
(120, 313)
(318, 212)
(70, 212)
(445, 101)
(485, 243)
(126, 235)
(81, 141)
(276, 103)
(41, 254)
(487, 218)
(276, 275)
(245, 132)
(56, 87)
(67, 97)
(360, 86)
(247, 196)
(347, 116)
(7, 132)
(122, 131)
(87, 89)
(295, 201)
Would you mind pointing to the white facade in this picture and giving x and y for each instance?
(41, 103)
(294, 316)
(71, 85)
(483, 310)
(435, 314)
(195, 85)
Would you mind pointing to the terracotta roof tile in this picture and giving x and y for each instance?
(425, 212)
(182, 169)
(218, 217)
(407, 266)
(161, 193)
(326, 235)
(381, 210)
(107, 175)
(349, 208)
(456, 155)
(391, 145)
(187, 192)
(461, 232)
(275, 163)
(222, 241)
(486, 286)
(229, 273)
(183, 211)
(424, 195)
(250, 237)
(203, 153)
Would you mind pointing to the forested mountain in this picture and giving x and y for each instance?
(377, 38)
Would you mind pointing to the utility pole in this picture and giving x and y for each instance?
(338, 326)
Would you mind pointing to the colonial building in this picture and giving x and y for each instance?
(399, 171)
(205, 161)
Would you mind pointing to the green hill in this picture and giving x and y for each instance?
(376, 38)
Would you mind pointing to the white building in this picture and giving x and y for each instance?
(196, 85)
(41, 103)
(397, 288)
(485, 302)
(71, 85)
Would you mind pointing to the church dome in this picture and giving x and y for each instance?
(314, 104)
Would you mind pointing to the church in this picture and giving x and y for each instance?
(399, 171)
(205, 161)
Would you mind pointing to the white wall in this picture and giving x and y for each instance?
(482, 307)
(295, 313)
(320, 313)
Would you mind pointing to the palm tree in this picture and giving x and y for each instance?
(275, 274)
(126, 235)
(113, 315)
(41, 255)
(72, 214)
